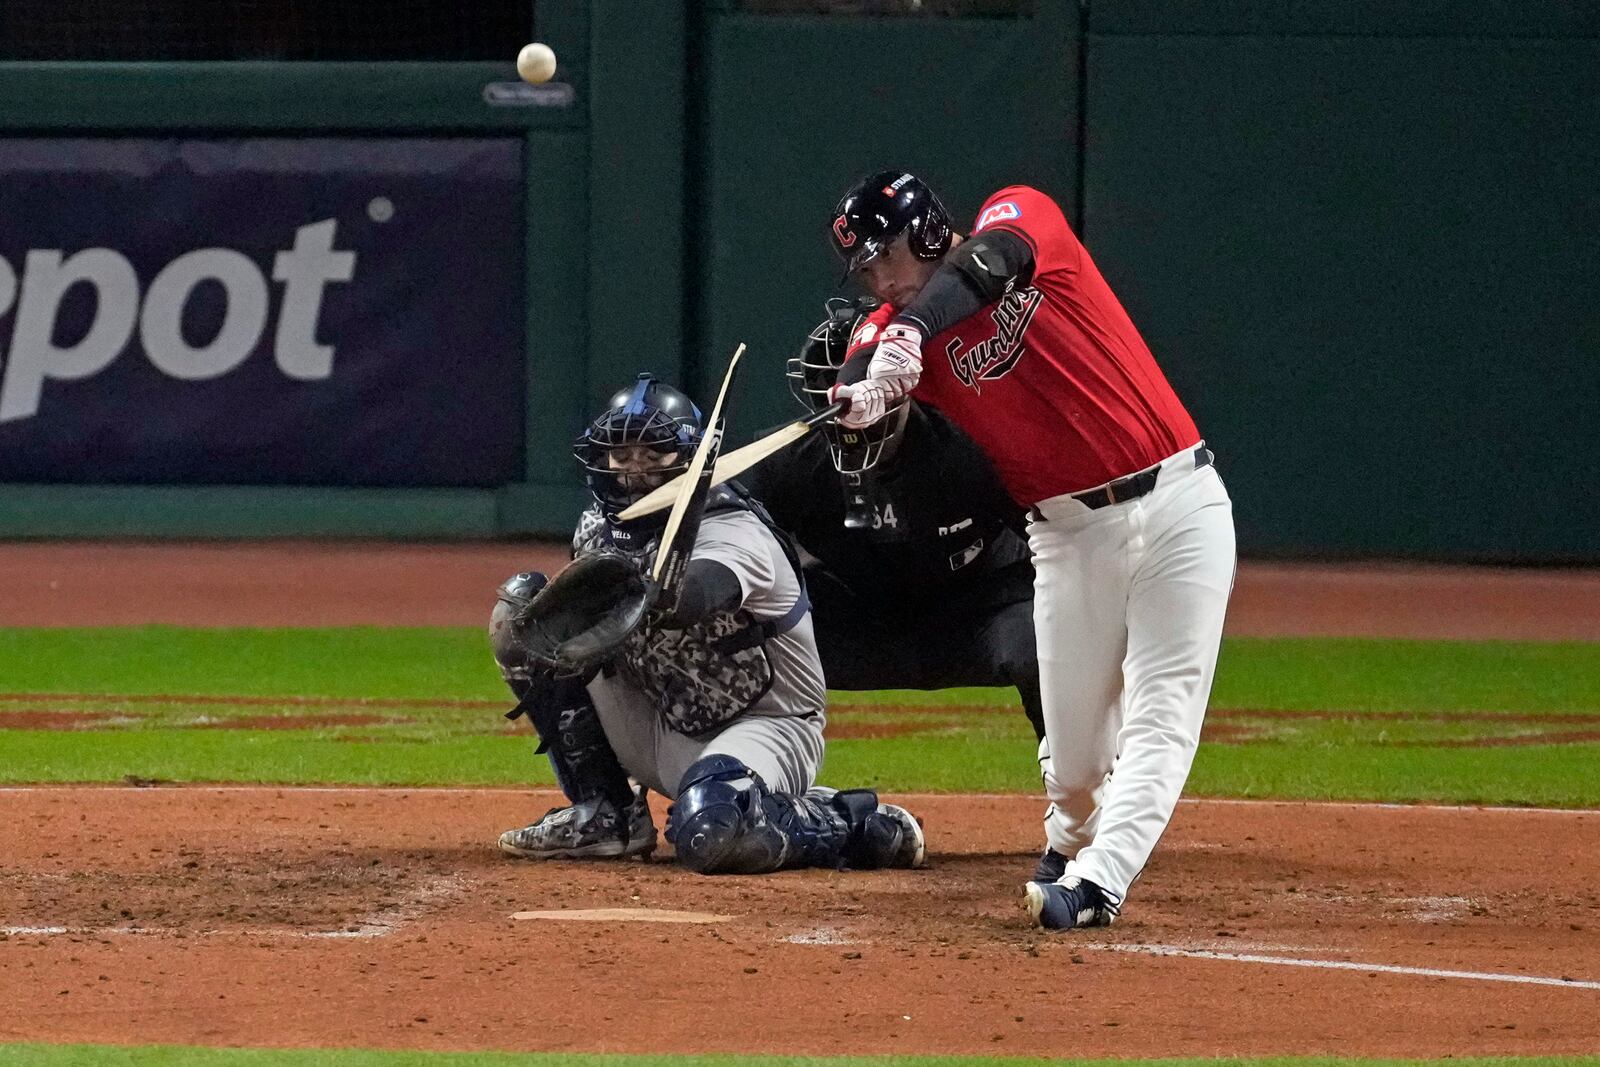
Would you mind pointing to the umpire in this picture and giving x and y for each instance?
(917, 574)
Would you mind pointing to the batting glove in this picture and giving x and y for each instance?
(892, 372)
(868, 400)
(897, 361)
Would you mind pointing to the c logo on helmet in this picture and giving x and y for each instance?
(842, 232)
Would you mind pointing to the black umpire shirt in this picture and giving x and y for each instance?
(944, 532)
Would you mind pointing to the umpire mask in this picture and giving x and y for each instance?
(645, 437)
(813, 373)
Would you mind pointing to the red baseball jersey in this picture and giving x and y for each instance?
(1052, 381)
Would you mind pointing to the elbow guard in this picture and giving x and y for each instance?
(708, 587)
(991, 261)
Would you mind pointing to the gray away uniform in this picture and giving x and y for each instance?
(723, 714)
(780, 735)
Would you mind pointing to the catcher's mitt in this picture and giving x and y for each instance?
(580, 620)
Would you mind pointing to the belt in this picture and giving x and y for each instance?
(1132, 487)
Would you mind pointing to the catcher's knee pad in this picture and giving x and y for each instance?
(726, 821)
(719, 823)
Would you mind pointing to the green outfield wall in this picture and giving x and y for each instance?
(1359, 237)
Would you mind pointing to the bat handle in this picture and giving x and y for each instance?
(832, 411)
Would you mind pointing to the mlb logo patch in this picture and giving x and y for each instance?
(1006, 209)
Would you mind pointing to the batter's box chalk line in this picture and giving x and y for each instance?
(822, 935)
(1341, 965)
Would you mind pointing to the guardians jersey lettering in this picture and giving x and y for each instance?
(1071, 397)
(994, 358)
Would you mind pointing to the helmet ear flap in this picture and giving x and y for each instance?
(929, 236)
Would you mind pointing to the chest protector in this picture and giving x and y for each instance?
(702, 676)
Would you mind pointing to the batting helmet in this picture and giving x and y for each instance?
(812, 374)
(648, 414)
(879, 208)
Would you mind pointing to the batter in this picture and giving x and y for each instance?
(1013, 333)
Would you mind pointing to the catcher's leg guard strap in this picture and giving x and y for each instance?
(874, 838)
(569, 730)
(725, 821)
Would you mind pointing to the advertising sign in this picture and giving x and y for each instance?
(260, 311)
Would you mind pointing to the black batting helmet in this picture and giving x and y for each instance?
(649, 414)
(812, 374)
(879, 208)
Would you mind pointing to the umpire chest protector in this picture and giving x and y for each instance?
(702, 676)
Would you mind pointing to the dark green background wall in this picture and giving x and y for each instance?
(1363, 250)
(792, 110)
(1358, 236)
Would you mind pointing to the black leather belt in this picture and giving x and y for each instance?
(1135, 485)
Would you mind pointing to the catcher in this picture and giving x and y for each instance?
(716, 700)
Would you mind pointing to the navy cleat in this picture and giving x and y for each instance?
(1068, 905)
(594, 829)
(1052, 867)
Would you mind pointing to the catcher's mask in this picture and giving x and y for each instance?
(646, 436)
(813, 372)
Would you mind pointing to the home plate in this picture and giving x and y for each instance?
(623, 915)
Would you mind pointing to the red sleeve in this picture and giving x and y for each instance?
(1037, 219)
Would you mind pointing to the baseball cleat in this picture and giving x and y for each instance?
(1070, 904)
(595, 829)
(1051, 867)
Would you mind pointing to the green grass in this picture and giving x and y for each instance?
(173, 1056)
(1311, 719)
(453, 663)
(358, 661)
(1359, 674)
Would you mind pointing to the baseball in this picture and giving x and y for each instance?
(536, 63)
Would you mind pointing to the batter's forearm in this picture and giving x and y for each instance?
(974, 274)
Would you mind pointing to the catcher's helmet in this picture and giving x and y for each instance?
(879, 208)
(813, 372)
(648, 414)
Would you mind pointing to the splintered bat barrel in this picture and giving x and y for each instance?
(693, 486)
(672, 559)
(734, 463)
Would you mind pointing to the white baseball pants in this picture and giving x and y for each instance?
(1129, 602)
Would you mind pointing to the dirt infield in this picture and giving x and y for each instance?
(382, 918)
(351, 583)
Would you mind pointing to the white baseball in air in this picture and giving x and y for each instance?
(536, 63)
